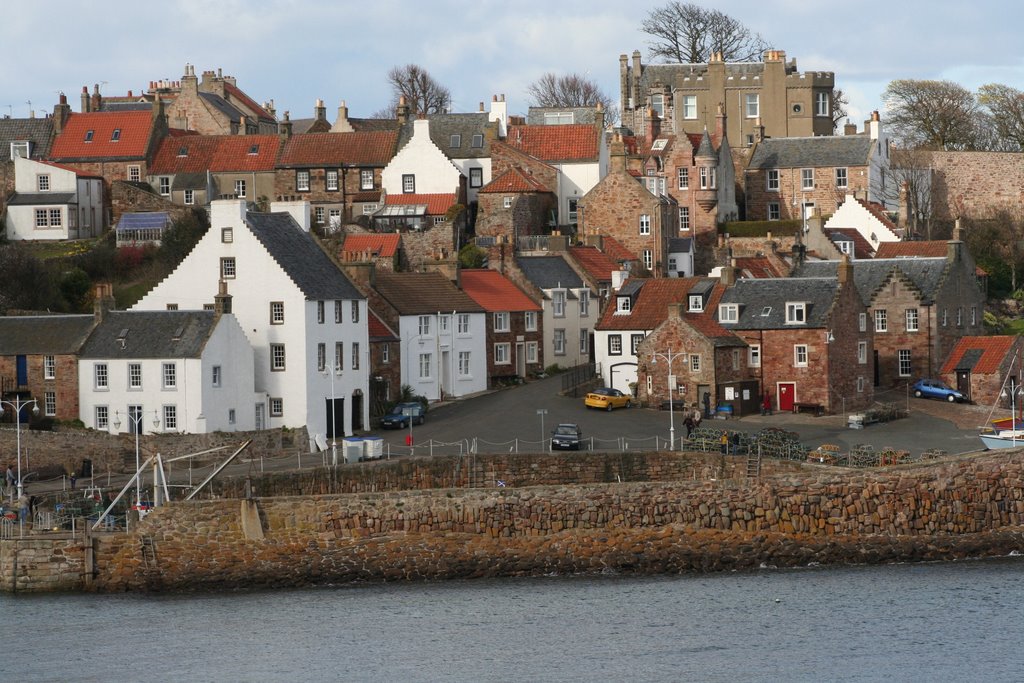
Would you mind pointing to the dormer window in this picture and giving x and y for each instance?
(623, 304)
(116, 135)
(728, 313)
(796, 313)
(43, 182)
(88, 136)
(183, 151)
(254, 150)
(696, 303)
(22, 149)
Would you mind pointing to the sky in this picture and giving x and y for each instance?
(296, 51)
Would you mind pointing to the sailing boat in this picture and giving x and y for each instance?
(1007, 432)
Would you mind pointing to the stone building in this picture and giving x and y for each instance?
(385, 365)
(213, 106)
(515, 331)
(986, 370)
(513, 205)
(771, 94)
(973, 184)
(26, 139)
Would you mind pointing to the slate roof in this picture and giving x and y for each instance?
(135, 127)
(40, 198)
(980, 355)
(379, 330)
(573, 142)
(377, 244)
(926, 248)
(43, 334)
(813, 152)
(150, 334)
(423, 293)
(443, 126)
(678, 245)
(38, 131)
(585, 115)
(869, 275)
(594, 262)
(757, 267)
(757, 297)
(371, 148)
(437, 204)
(861, 247)
(198, 154)
(514, 180)
(494, 291)
(549, 272)
(233, 91)
(315, 274)
(226, 109)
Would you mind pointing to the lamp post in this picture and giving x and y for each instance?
(668, 356)
(135, 415)
(542, 412)
(16, 405)
(332, 370)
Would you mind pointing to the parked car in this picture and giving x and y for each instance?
(566, 437)
(399, 416)
(934, 388)
(607, 398)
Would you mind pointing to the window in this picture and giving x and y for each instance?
(506, 202)
(773, 211)
(227, 268)
(115, 135)
(862, 322)
(559, 342)
(708, 178)
(821, 104)
(49, 367)
(695, 303)
(88, 135)
(728, 313)
(796, 313)
(974, 315)
(477, 141)
(476, 177)
(807, 178)
(424, 325)
(102, 417)
(881, 321)
(170, 418)
(339, 356)
(672, 265)
(530, 321)
(331, 180)
(959, 316)
(355, 311)
(366, 179)
(754, 356)
(100, 376)
(655, 184)
(463, 323)
(945, 316)
(276, 407)
(694, 362)
(860, 385)
(735, 359)
(841, 179)
(772, 180)
(455, 141)
(240, 189)
(558, 303)
(622, 304)
(21, 149)
(227, 235)
(614, 344)
(911, 320)
(904, 362)
(134, 376)
(800, 355)
(502, 354)
(408, 183)
(425, 359)
(56, 218)
(752, 108)
(50, 403)
(355, 355)
(321, 357)
(41, 218)
(43, 182)
(463, 363)
(558, 118)
(385, 353)
(684, 219)
(444, 323)
(573, 210)
(645, 224)
(302, 181)
(164, 185)
(683, 178)
(320, 313)
(276, 312)
(862, 352)
(634, 341)
(584, 296)
(215, 377)
(319, 213)
(658, 104)
(170, 373)
(501, 322)
(277, 357)
(689, 106)
(531, 352)
(134, 174)
(648, 258)
(584, 341)
(190, 197)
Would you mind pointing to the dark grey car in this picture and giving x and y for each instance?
(566, 437)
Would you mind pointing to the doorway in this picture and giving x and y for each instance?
(335, 410)
(787, 395)
(357, 410)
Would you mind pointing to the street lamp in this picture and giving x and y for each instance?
(333, 370)
(542, 412)
(17, 405)
(668, 356)
(135, 415)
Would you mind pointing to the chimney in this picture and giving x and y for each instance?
(103, 300)
(402, 111)
(299, 209)
(955, 245)
(60, 114)
(849, 128)
(362, 273)
(97, 99)
(284, 126)
(844, 271)
(222, 301)
(653, 125)
(159, 117)
(720, 124)
(758, 130)
(676, 311)
(599, 118)
(499, 114)
(875, 126)
(242, 125)
(617, 152)
(319, 110)
(85, 99)
(728, 273)
(341, 123)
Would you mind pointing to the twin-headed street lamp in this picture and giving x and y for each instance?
(668, 357)
(135, 415)
(16, 405)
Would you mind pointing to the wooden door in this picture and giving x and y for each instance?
(787, 394)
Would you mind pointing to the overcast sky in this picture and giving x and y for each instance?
(295, 51)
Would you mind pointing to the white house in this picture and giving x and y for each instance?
(680, 257)
(301, 314)
(867, 218)
(420, 167)
(571, 309)
(52, 202)
(167, 371)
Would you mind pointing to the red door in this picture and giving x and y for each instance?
(787, 391)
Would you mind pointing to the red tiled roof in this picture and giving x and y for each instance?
(861, 247)
(234, 93)
(757, 266)
(993, 352)
(594, 262)
(369, 148)
(378, 244)
(616, 251)
(514, 180)
(437, 204)
(135, 127)
(878, 211)
(926, 249)
(379, 330)
(573, 142)
(494, 291)
(80, 173)
(366, 196)
(651, 307)
(216, 153)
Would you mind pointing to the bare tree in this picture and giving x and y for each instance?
(423, 94)
(1005, 107)
(688, 33)
(838, 104)
(994, 240)
(909, 183)
(932, 114)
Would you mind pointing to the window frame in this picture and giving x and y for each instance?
(645, 224)
(101, 376)
(682, 178)
(821, 104)
(364, 175)
(772, 180)
(881, 318)
(277, 313)
(170, 417)
(240, 188)
(751, 105)
(754, 356)
(49, 367)
(862, 352)
(465, 364)
(614, 344)
(800, 355)
(278, 358)
(530, 321)
(684, 219)
(689, 107)
(476, 177)
(728, 313)
(228, 268)
(331, 180)
(559, 341)
(169, 375)
(408, 183)
(796, 313)
(774, 211)
(904, 363)
(806, 179)
(500, 321)
(503, 353)
(912, 320)
(134, 376)
(302, 180)
(842, 177)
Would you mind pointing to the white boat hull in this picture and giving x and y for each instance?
(1004, 439)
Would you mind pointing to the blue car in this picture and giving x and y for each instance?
(934, 388)
(402, 413)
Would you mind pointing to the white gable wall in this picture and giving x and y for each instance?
(617, 371)
(853, 214)
(434, 171)
(443, 349)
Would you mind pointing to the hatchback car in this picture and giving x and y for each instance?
(933, 388)
(401, 414)
(607, 398)
(566, 437)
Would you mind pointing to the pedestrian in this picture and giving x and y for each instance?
(73, 480)
(766, 404)
(707, 404)
(725, 442)
(23, 506)
(10, 478)
(735, 443)
(689, 424)
(696, 416)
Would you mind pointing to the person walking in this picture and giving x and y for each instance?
(696, 416)
(725, 442)
(74, 478)
(707, 404)
(689, 424)
(10, 480)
